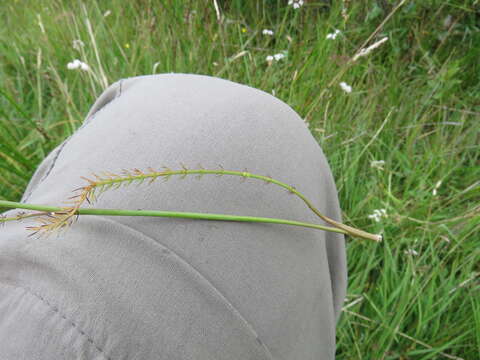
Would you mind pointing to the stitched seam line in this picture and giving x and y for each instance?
(57, 311)
(76, 132)
(247, 324)
(49, 169)
(88, 120)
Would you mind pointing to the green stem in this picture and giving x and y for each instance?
(110, 179)
(349, 230)
(174, 214)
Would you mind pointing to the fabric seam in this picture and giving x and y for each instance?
(87, 121)
(217, 291)
(56, 310)
(246, 323)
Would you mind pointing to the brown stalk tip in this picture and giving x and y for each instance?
(89, 180)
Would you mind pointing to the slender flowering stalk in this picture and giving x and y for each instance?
(52, 211)
(61, 217)
(368, 50)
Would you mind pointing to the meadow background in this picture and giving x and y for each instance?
(405, 139)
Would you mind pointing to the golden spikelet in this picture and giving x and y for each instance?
(57, 220)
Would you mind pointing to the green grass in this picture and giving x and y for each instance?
(415, 105)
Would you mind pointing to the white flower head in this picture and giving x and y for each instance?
(267, 32)
(295, 3)
(378, 214)
(275, 57)
(377, 164)
(345, 87)
(108, 12)
(84, 66)
(332, 36)
(411, 252)
(78, 44)
(77, 64)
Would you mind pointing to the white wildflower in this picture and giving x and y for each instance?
(295, 3)
(267, 32)
(378, 214)
(275, 57)
(108, 12)
(411, 252)
(368, 50)
(77, 64)
(84, 66)
(377, 164)
(437, 185)
(78, 44)
(345, 87)
(332, 36)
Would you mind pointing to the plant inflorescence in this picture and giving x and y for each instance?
(65, 216)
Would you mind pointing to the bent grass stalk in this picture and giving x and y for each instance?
(56, 218)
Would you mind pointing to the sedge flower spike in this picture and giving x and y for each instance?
(57, 218)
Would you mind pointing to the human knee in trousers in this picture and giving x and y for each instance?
(163, 288)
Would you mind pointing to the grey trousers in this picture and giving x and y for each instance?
(146, 288)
